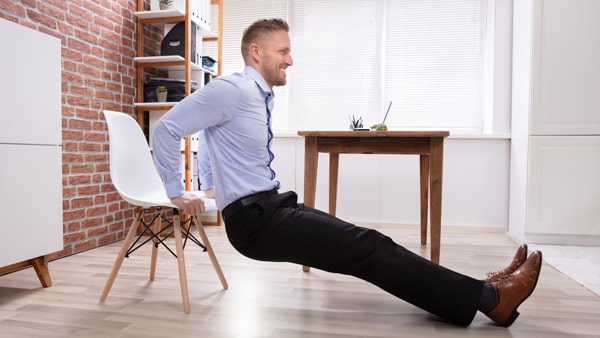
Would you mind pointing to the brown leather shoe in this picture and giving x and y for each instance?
(513, 289)
(520, 257)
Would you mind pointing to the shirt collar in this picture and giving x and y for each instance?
(262, 84)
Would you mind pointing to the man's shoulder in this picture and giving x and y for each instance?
(233, 77)
(238, 83)
(236, 79)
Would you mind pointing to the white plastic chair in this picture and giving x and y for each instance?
(135, 178)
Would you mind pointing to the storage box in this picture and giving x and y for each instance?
(174, 42)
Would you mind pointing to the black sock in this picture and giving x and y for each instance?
(489, 298)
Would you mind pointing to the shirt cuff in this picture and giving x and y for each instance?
(206, 182)
(174, 189)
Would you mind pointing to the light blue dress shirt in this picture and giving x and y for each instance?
(205, 177)
(232, 112)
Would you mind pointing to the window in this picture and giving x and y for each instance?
(353, 57)
(434, 63)
(336, 63)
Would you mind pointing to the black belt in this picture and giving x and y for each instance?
(236, 205)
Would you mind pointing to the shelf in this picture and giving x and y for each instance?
(167, 62)
(207, 34)
(162, 17)
(161, 14)
(155, 105)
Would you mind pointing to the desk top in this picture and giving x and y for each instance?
(365, 133)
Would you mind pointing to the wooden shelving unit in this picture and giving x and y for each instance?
(187, 13)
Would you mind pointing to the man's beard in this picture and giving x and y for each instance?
(275, 78)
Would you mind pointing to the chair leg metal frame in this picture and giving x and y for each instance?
(129, 246)
(155, 234)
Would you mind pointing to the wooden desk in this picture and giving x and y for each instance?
(429, 145)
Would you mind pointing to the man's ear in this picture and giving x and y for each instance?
(254, 51)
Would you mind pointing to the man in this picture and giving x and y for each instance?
(261, 223)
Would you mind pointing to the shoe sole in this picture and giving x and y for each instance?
(513, 316)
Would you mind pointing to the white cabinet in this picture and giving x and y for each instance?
(30, 146)
(31, 205)
(564, 185)
(555, 152)
(565, 89)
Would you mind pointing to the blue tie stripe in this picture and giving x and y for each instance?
(269, 137)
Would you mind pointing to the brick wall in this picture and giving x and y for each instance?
(98, 45)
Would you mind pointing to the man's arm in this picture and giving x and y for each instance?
(205, 177)
(206, 107)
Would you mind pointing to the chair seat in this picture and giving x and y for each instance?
(159, 200)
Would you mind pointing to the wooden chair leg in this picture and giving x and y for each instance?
(211, 253)
(181, 264)
(121, 256)
(156, 226)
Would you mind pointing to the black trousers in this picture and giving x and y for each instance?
(277, 228)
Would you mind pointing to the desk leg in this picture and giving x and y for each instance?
(436, 174)
(334, 164)
(424, 168)
(311, 162)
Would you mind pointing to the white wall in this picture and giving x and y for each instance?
(385, 188)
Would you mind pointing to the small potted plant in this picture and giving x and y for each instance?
(165, 4)
(355, 123)
(161, 94)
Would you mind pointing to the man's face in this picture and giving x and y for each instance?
(275, 56)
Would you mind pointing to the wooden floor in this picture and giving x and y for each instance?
(274, 299)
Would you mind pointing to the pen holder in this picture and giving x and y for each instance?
(355, 123)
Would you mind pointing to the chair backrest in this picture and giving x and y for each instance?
(132, 168)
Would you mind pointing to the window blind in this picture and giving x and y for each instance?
(336, 69)
(354, 57)
(434, 63)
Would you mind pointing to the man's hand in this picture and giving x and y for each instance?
(210, 193)
(189, 204)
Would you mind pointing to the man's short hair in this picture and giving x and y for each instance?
(255, 31)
